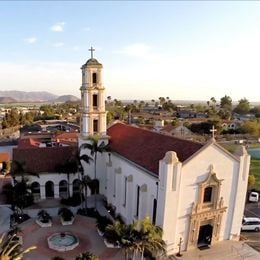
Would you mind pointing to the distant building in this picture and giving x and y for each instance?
(190, 114)
(4, 157)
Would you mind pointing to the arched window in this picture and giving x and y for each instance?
(137, 200)
(63, 189)
(35, 187)
(94, 78)
(95, 100)
(76, 186)
(95, 125)
(49, 189)
(208, 194)
(154, 210)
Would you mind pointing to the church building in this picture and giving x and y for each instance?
(195, 192)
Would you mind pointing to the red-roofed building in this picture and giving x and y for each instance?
(28, 143)
(67, 138)
(56, 168)
(4, 157)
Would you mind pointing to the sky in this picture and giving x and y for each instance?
(185, 50)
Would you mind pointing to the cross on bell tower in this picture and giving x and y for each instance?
(91, 50)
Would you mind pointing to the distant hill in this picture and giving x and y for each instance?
(7, 100)
(32, 96)
(66, 98)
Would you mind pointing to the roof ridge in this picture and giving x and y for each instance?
(158, 133)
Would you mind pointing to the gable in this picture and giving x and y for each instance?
(214, 148)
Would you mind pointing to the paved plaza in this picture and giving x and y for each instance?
(83, 227)
(225, 250)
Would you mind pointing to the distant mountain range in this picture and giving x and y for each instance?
(13, 96)
(7, 100)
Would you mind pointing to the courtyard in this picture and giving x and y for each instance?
(83, 227)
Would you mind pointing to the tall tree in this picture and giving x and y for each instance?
(22, 194)
(243, 106)
(83, 181)
(95, 147)
(150, 238)
(226, 103)
(124, 235)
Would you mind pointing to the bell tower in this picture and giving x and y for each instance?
(93, 111)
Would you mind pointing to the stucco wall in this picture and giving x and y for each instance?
(196, 171)
(116, 173)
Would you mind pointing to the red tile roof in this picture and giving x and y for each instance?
(68, 135)
(44, 159)
(4, 157)
(28, 143)
(146, 148)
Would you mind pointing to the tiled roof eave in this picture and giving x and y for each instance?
(137, 165)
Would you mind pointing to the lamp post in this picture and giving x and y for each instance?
(180, 243)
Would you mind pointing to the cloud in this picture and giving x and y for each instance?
(139, 50)
(58, 27)
(58, 44)
(75, 48)
(87, 29)
(30, 40)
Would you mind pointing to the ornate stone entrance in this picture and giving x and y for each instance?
(205, 235)
(207, 213)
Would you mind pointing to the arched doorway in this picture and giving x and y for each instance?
(35, 187)
(49, 189)
(63, 189)
(76, 186)
(205, 235)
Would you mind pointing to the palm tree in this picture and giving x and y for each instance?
(87, 256)
(22, 194)
(19, 169)
(95, 148)
(66, 214)
(11, 249)
(83, 181)
(123, 235)
(44, 216)
(150, 238)
(69, 167)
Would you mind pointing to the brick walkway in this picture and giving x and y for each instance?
(83, 227)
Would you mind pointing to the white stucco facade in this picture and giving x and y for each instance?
(177, 191)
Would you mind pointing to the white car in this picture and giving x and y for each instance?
(250, 224)
(253, 196)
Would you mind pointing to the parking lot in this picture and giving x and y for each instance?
(252, 237)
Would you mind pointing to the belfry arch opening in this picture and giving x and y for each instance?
(94, 78)
(95, 100)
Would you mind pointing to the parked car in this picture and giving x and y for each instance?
(253, 196)
(250, 224)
